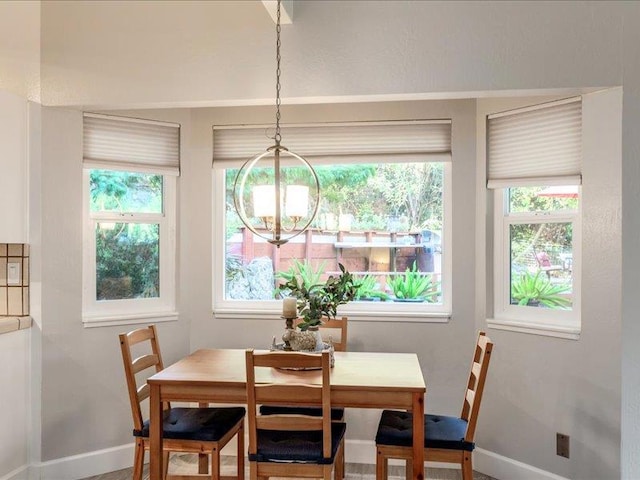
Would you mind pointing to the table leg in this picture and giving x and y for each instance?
(418, 436)
(155, 434)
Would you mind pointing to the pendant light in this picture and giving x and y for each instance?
(277, 192)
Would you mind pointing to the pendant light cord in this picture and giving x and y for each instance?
(278, 137)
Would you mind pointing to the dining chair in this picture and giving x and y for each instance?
(292, 445)
(446, 439)
(190, 430)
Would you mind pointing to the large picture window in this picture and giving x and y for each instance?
(385, 218)
(129, 223)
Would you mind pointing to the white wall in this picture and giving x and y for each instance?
(13, 161)
(210, 53)
(20, 48)
(15, 401)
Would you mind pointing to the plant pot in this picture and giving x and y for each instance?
(307, 341)
(409, 300)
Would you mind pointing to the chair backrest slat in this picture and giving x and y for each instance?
(272, 394)
(132, 366)
(279, 393)
(304, 360)
(474, 376)
(288, 422)
(475, 385)
(140, 335)
(144, 392)
(144, 362)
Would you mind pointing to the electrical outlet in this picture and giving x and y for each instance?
(562, 445)
(13, 273)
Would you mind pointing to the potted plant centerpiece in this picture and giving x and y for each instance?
(315, 300)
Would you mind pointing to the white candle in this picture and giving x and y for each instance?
(289, 309)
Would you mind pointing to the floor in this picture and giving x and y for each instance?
(184, 463)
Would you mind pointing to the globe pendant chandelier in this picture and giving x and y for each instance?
(277, 193)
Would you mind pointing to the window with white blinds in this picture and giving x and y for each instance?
(413, 141)
(537, 145)
(112, 142)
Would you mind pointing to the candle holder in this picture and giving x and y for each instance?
(286, 336)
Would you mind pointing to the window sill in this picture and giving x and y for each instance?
(558, 331)
(92, 321)
(12, 324)
(354, 315)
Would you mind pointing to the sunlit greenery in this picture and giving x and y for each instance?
(125, 192)
(541, 245)
(127, 261)
(536, 289)
(127, 254)
(372, 193)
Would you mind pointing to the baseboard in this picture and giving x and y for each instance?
(357, 451)
(87, 464)
(484, 461)
(20, 473)
(506, 468)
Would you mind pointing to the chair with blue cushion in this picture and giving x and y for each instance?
(446, 439)
(292, 444)
(190, 430)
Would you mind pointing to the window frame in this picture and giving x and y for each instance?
(140, 310)
(370, 311)
(543, 321)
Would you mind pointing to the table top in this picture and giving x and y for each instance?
(352, 371)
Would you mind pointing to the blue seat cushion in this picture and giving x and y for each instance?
(203, 424)
(396, 428)
(337, 414)
(296, 446)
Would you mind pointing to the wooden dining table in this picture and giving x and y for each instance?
(358, 380)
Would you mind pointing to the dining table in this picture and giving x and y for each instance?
(358, 380)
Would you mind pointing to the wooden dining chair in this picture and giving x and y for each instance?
(332, 326)
(446, 439)
(190, 430)
(292, 445)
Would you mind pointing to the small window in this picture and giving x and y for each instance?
(537, 257)
(128, 243)
(129, 220)
(534, 163)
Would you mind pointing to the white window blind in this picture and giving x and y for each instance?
(127, 143)
(538, 145)
(331, 143)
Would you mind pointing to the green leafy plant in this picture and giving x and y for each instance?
(413, 285)
(368, 288)
(529, 289)
(303, 273)
(315, 299)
